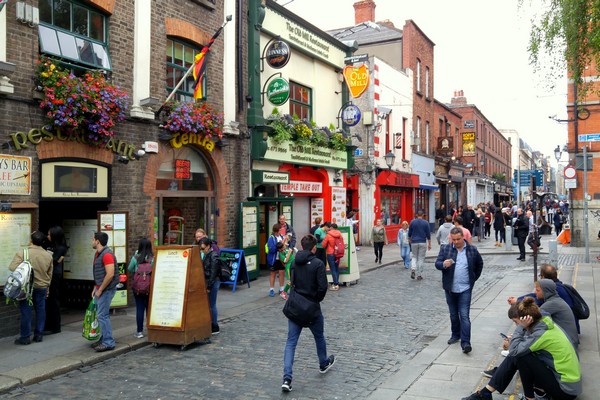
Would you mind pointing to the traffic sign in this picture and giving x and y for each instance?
(358, 152)
(569, 172)
(589, 137)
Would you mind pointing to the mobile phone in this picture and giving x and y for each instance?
(503, 335)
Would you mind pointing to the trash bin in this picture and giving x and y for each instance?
(514, 239)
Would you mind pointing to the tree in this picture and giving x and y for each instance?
(568, 32)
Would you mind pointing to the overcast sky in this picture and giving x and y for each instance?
(480, 48)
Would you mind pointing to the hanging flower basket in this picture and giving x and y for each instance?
(88, 105)
(287, 128)
(193, 118)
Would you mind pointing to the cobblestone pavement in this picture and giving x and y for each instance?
(372, 327)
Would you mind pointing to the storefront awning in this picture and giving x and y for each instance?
(503, 194)
(429, 187)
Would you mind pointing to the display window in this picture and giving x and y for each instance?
(391, 205)
(422, 201)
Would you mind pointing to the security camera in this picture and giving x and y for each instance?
(249, 98)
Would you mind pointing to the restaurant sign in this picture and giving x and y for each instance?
(290, 152)
(15, 175)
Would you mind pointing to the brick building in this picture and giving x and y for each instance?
(199, 181)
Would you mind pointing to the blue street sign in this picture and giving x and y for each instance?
(589, 137)
(524, 176)
(358, 152)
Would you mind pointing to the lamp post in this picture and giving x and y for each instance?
(389, 160)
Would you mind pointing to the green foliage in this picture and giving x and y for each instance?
(286, 128)
(499, 176)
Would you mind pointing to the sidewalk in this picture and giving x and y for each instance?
(438, 372)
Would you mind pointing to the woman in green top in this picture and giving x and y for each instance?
(379, 239)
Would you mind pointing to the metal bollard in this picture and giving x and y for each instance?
(553, 253)
(508, 238)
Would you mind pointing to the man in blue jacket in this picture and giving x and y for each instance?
(461, 265)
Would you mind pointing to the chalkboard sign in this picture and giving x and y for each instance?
(239, 269)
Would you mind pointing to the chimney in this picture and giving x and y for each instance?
(364, 10)
(459, 98)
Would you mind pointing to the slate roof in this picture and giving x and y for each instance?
(367, 35)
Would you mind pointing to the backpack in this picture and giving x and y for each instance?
(225, 270)
(141, 279)
(580, 307)
(19, 285)
(338, 247)
(267, 244)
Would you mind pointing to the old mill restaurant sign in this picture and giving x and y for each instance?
(290, 152)
(357, 79)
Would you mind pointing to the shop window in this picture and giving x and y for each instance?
(391, 202)
(422, 202)
(180, 57)
(199, 176)
(74, 33)
(300, 101)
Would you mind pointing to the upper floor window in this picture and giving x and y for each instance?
(427, 144)
(427, 82)
(418, 72)
(300, 101)
(418, 136)
(75, 33)
(180, 57)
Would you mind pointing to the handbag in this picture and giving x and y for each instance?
(299, 309)
(91, 329)
(534, 238)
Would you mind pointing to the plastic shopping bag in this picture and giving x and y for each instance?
(91, 329)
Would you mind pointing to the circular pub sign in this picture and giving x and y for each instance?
(278, 91)
(351, 115)
(278, 54)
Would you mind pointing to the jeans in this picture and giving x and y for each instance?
(103, 310)
(334, 269)
(405, 253)
(521, 241)
(459, 305)
(39, 304)
(294, 331)
(212, 302)
(419, 250)
(141, 309)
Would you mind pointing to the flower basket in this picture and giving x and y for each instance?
(89, 105)
(193, 118)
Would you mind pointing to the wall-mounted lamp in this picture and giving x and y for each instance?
(389, 159)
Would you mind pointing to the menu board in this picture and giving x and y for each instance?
(287, 212)
(168, 287)
(249, 226)
(114, 224)
(80, 257)
(338, 205)
(316, 209)
(15, 231)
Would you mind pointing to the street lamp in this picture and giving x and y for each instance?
(557, 153)
(389, 160)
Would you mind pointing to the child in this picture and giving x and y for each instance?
(286, 255)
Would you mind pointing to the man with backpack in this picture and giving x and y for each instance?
(334, 248)
(41, 265)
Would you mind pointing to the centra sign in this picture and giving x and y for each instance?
(278, 91)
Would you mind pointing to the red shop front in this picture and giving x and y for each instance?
(394, 200)
(314, 197)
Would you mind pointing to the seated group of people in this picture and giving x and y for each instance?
(543, 347)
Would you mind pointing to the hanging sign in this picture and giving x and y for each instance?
(278, 91)
(357, 79)
(183, 169)
(351, 115)
(278, 54)
(15, 175)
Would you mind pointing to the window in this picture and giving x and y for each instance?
(180, 57)
(391, 205)
(427, 145)
(418, 77)
(300, 101)
(427, 82)
(74, 33)
(418, 136)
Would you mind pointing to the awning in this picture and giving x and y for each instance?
(503, 194)
(429, 187)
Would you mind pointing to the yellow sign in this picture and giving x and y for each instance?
(357, 79)
(468, 143)
(192, 138)
(15, 175)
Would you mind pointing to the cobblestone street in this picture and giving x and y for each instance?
(372, 328)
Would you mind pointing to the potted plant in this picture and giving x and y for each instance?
(193, 118)
(281, 129)
(337, 140)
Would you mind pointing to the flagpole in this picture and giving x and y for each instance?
(189, 71)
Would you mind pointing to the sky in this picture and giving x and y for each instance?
(480, 48)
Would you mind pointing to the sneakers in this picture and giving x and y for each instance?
(453, 340)
(283, 295)
(102, 348)
(478, 396)
(419, 278)
(287, 385)
(215, 329)
(23, 341)
(139, 335)
(38, 338)
(271, 293)
(96, 344)
(489, 372)
(335, 287)
(467, 349)
(330, 362)
(412, 274)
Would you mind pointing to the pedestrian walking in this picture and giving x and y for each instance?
(334, 263)
(419, 235)
(58, 248)
(379, 237)
(558, 221)
(212, 272)
(521, 226)
(143, 256)
(440, 215)
(443, 234)
(499, 227)
(487, 220)
(41, 264)
(461, 265)
(404, 244)
(310, 281)
(106, 279)
(275, 265)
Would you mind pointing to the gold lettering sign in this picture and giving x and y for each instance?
(192, 138)
(357, 79)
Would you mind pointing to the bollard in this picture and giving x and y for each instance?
(508, 238)
(553, 253)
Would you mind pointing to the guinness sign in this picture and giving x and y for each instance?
(278, 54)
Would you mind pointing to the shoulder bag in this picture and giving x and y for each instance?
(299, 309)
